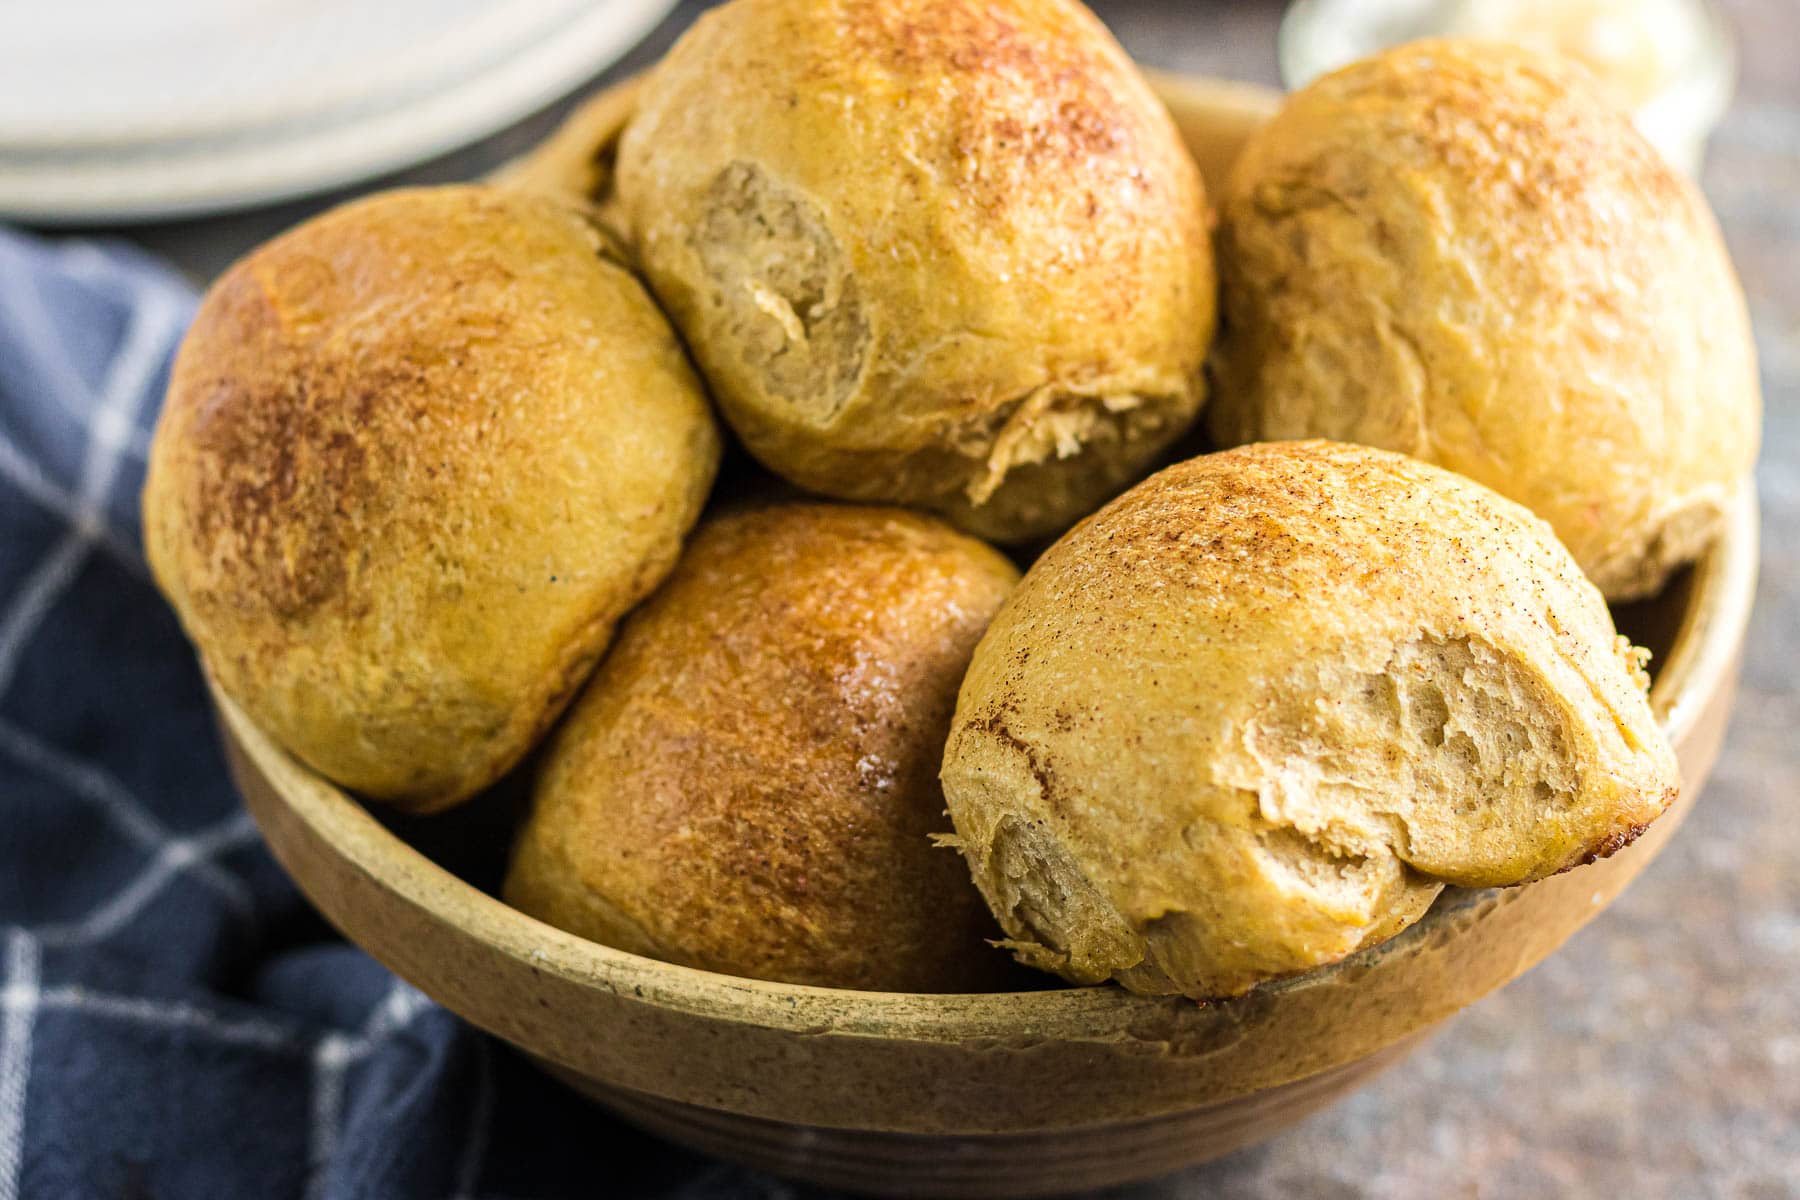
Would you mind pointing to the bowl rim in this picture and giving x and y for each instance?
(1701, 658)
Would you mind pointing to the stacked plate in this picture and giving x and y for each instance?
(117, 109)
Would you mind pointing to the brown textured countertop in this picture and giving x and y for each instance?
(1658, 1054)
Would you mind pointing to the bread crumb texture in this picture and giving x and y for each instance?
(1256, 713)
(418, 455)
(926, 251)
(749, 784)
(1459, 250)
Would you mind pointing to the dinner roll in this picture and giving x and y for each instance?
(1460, 251)
(949, 255)
(1252, 715)
(418, 456)
(749, 784)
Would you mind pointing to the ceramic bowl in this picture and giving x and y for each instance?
(968, 1095)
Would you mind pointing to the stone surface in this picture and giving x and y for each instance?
(1658, 1054)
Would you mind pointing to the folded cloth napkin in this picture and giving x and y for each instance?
(174, 1020)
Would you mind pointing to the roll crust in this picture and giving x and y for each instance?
(1255, 713)
(418, 455)
(935, 253)
(749, 784)
(1461, 251)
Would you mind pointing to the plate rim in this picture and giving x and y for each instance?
(173, 180)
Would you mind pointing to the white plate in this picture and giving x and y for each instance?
(115, 109)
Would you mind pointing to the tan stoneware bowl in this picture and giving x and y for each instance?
(971, 1095)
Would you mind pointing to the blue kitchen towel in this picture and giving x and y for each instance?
(174, 1020)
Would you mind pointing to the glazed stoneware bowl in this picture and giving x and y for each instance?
(970, 1095)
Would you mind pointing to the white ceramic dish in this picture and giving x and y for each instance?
(115, 110)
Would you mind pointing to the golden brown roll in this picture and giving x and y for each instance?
(1252, 715)
(749, 784)
(950, 255)
(418, 456)
(1459, 250)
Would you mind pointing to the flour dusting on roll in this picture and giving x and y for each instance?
(1461, 251)
(1256, 712)
(418, 455)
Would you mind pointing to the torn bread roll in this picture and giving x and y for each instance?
(1255, 713)
(1461, 251)
(946, 255)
